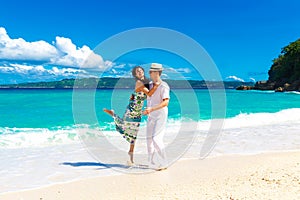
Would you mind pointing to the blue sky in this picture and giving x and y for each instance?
(49, 41)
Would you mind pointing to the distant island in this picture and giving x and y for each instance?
(111, 83)
(284, 74)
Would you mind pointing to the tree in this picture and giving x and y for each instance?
(286, 68)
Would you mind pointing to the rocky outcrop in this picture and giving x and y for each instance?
(264, 85)
(279, 89)
(244, 87)
(268, 85)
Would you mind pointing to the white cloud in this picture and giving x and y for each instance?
(108, 64)
(19, 49)
(22, 69)
(66, 71)
(164, 76)
(122, 66)
(62, 52)
(131, 65)
(114, 71)
(184, 70)
(252, 79)
(70, 55)
(177, 70)
(175, 73)
(40, 70)
(5, 69)
(235, 78)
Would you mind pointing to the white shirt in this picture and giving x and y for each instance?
(162, 92)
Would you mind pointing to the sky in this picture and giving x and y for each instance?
(52, 40)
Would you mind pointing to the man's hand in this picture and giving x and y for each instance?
(147, 111)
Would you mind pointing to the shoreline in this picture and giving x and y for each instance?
(269, 175)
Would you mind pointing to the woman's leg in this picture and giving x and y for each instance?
(127, 129)
(110, 112)
(130, 153)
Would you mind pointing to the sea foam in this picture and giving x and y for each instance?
(41, 137)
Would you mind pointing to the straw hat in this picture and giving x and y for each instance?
(156, 67)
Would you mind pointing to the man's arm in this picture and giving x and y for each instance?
(164, 103)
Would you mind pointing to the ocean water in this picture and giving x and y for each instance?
(40, 141)
(35, 117)
(25, 110)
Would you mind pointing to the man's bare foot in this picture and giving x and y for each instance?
(110, 112)
(161, 168)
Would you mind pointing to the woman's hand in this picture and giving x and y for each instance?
(156, 84)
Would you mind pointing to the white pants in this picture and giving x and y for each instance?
(155, 134)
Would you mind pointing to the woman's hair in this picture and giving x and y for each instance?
(145, 81)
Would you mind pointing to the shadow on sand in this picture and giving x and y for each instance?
(94, 164)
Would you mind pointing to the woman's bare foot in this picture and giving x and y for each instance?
(130, 157)
(110, 112)
(130, 164)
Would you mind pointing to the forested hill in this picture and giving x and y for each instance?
(284, 74)
(110, 83)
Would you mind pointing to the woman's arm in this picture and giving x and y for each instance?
(140, 87)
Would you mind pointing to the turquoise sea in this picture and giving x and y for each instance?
(31, 110)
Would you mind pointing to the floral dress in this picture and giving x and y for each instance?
(128, 126)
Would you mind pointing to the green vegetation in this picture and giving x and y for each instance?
(110, 83)
(286, 68)
(284, 74)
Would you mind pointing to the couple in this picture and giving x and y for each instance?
(158, 95)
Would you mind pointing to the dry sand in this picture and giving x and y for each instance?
(262, 176)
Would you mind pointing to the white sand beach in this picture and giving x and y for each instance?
(261, 176)
(256, 161)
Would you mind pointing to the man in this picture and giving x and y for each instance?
(157, 111)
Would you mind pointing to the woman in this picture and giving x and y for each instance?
(128, 126)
